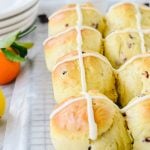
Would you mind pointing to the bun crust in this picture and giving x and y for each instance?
(66, 18)
(70, 127)
(124, 16)
(67, 79)
(120, 17)
(147, 42)
(138, 119)
(145, 17)
(134, 80)
(61, 44)
(120, 47)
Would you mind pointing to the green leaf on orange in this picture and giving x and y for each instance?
(25, 44)
(12, 56)
(20, 50)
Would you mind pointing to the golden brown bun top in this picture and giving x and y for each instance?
(134, 78)
(96, 67)
(75, 54)
(124, 15)
(67, 17)
(138, 119)
(69, 55)
(63, 43)
(123, 6)
(140, 62)
(73, 118)
(140, 111)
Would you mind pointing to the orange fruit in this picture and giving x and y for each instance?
(8, 69)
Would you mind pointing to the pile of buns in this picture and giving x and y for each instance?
(100, 69)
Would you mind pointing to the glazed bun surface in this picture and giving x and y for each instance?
(70, 127)
(66, 76)
(133, 79)
(67, 17)
(121, 17)
(127, 32)
(121, 46)
(147, 41)
(124, 16)
(145, 17)
(61, 44)
(138, 120)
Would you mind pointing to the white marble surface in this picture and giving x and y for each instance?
(30, 98)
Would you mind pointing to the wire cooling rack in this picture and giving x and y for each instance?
(32, 102)
(41, 106)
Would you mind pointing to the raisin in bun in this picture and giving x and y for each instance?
(120, 46)
(66, 76)
(65, 42)
(124, 16)
(127, 32)
(133, 78)
(137, 114)
(67, 17)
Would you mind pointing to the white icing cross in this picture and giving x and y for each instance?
(139, 29)
(134, 102)
(91, 121)
(90, 98)
(68, 30)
